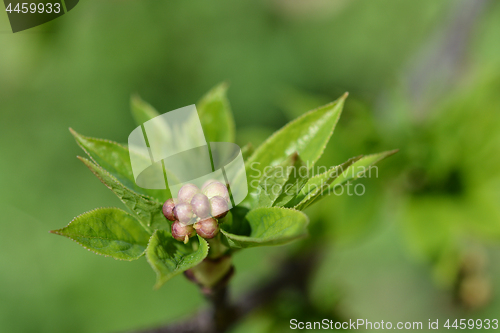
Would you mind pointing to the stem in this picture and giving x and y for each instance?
(215, 270)
(222, 310)
(217, 249)
(293, 273)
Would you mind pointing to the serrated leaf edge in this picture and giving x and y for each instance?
(58, 232)
(159, 280)
(314, 193)
(152, 200)
(383, 155)
(78, 135)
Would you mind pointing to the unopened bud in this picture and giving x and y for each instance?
(208, 228)
(183, 212)
(182, 232)
(216, 189)
(208, 182)
(219, 207)
(201, 205)
(187, 192)
(168, 209)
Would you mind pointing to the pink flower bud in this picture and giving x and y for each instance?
(208, 228)
(168, 209)
(216, 189)
(201, 205)
(187, 192)
(208, 182)
(182, 232)
(183, 212)
(219, 207)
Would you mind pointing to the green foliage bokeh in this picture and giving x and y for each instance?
(408, 231)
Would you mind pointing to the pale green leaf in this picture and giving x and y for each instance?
(216, 116)
(360, 167)
(356, 170)
(145, 209)
(115, 159)
(169, 257)
(247, 151)
(297, 178)
(281, 182)
(108, 231)
(273, 180)
(268, 226)
(319, 183)
(307, 135)
(141, 110)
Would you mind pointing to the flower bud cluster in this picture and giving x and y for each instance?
(196, 211)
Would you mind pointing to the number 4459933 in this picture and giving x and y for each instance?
(35, 8)
(472, 324)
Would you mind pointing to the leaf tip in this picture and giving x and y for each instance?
(389, 153)
(344, 96)
(394, 151)
(85, 161)
(78, 137)
(157, 285)
(135, 98)
(225, 85)
(57, 232)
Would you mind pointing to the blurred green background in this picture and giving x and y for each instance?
(423, 76)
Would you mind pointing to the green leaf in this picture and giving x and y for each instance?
(297, 178)
(360, 167)
(141, 110)
(115, 158)
(354, 171)
(216, 116)
(307, 135)
(273, 180)
(169, 257)
(108, 231)
(247, 151)
(145, 209)
(317, 184)
(269, 226)
(281, 182)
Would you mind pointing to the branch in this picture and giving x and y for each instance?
(294, 273)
